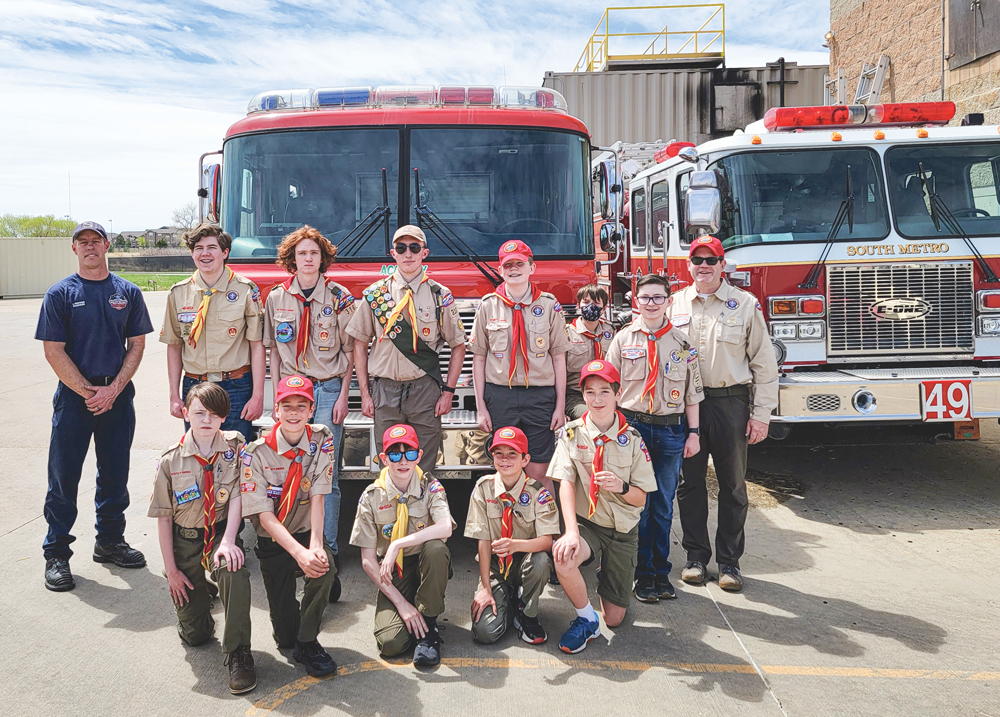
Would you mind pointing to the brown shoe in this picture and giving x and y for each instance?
(242, 675)
(730, 578)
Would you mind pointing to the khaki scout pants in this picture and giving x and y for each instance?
(195, 623)
(425, 578)
(410, 402)
(291, 621)
(530, 572)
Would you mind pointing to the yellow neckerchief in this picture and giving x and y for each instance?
(402, 512)
(405, 304)
(199, 320)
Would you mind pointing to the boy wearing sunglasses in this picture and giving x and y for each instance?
(589, 339)
(412, 318)
(401, 526)
(513, 518)
(286, 475)
(660, 392)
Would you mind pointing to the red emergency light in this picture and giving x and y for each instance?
(670, 151)
(900, 113)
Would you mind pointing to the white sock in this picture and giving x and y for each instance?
(587, 612)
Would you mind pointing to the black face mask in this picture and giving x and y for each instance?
(591, 312)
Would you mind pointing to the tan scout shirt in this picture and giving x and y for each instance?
(426, 502)
(629, 461)
(264, 473)
(679, 382)
(535, 512)
(493, 337)
(331, 308)
(734, 348)
(581, 349)
(384, 359)
(235, 318)
(179, 486)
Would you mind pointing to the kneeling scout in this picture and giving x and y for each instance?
(514, 519)
(197, 506)
(604, 475)
(285, 478)
(402, 524)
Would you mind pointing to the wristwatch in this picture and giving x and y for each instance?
(625, 488)
(695, 431)
(449, 389)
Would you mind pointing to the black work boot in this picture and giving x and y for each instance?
(336, 588)
(58, 577)
(242, 674)
(120, 553)
(316, 660)
(427, 653)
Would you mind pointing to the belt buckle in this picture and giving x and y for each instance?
(189, 533)
(214, 377)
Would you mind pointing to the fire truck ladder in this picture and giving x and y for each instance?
(871, 81)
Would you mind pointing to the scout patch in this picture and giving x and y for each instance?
(387, 531)
(540, 342)
(426, 331)
(221, 495)
(645, 451)
(229, 455)
(324, 335)
(232, 296)
(497, 324)
(557, 307)
(732, 304)
(675, 356)
(248, 487)
(675, 395)
(233, 331)
(247, 473)
(186, 317)
(544, 497)
(254, 293)
(274, 492)
(506, 433)
(623, 439)
(758, 307)
(692, 355)
(305, 485)
(327, 445)
(538, 311)
(327, 310)
(187, 495)
(705, 240)
(595, 365)
(118, 301)
(524, 499)
(435, 487)
(510, 246)
(397, 432)
(295, 382)
(447, 300)
(607, 334)
(245, 457)
(420, 525)
(312, 447)
(284, 332)
(681, 320)
(633, 352)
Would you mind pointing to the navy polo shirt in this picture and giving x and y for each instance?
(94, 318)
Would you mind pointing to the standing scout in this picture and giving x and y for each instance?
(402, 524)
(519, 369)
(513, 518)
(660, 388)
(740, 373)
(604, 478)
(285, 477)
(411, 317)
(196, 501)
(212, 329)
(589, 339)
(305, 326)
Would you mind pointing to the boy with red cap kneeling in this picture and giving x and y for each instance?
(514, 518)
(604, 475)
(401, 526)
(285, 478)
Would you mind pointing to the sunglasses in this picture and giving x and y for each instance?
(658, 299)
(397, 456)
(414, 248)
(710, 260)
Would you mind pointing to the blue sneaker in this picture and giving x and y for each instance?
(580, 632)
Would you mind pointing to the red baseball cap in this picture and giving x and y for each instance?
(602, 368)
(513, 437)
(400, 433)
(710, 243)
(515, 249)
(294, 386)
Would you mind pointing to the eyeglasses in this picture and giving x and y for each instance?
(658, 299)
(710, 260)
(397, 456)
(414, 248)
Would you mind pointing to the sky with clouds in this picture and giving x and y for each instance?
(109, 103)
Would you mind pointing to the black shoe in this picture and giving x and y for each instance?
(693, 573)
(645, 589)
(58, 577)
(317, 661)
(553, 576)
(120, 553)
(664, 590)
(242, 673)
(530, 630)
(213, 589)
(427, 653)
(336, 589)
(730, 578)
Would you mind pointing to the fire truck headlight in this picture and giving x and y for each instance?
(784, 330)
(811, 330)
(780, 352)
(989, 326)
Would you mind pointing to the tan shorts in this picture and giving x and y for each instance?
(617, 552)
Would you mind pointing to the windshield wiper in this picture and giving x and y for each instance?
(939, 211)
(426, 219)
(846, 211)
(355, 241)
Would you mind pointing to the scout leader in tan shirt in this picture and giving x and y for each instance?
(589, 338)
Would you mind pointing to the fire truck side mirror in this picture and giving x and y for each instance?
(609, 190)
(214, 192)
(609, 238)
(703, 204)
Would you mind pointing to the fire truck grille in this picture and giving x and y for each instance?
(900, 309)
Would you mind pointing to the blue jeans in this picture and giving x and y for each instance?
(666, 451)
(239, 390)
(327, 393)
(73, 425)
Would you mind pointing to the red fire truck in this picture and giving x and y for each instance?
(474, 166)
(869, 234)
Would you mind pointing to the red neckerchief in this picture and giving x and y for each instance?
(520, 336)
(208, 500)
(653, 360)
(596, 338)
(293, 480)
(597, 464)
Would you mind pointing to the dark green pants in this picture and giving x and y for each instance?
(290, 620)
(424, 580)
(530, 573)
(195, 623)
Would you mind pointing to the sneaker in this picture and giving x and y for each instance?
(664, 590)
(427, 652)
(316, 660)
(58, 577)
(730, 579)
(242, 674)
(581, 631)
(553, 575)
(693, 573)
(530, 630)
(645, 589)
(120, 553)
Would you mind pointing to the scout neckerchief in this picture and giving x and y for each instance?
(596, 338)
(520, 333)
(597, 464)
(199, 319)
(208, 500)
(402, 512)
(405, 304)
(293, 480)
(653, 359)
(302, 342)
(507, 521)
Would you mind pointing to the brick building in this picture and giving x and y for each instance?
(921, 37)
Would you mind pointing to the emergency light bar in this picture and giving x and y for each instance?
(670, 151)
(780, 119)
(408, 96)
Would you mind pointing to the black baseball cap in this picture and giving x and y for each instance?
(89, 226)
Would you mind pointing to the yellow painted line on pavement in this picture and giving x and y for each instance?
(272, 701)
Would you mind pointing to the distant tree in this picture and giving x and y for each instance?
(186, 217)
(141, 242)
(120, 242)
(161, 243)
(25, 225)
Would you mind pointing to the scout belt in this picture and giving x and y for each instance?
(199, 533)
(217, 376)
(741, 390)
(674, 419)
(426, 359)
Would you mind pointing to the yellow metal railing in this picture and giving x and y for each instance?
(707, 42)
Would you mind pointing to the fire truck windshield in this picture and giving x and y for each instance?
(793, 196)
(487, 184)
